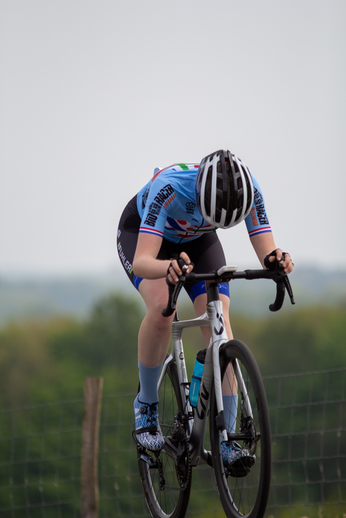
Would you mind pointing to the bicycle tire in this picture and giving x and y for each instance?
(246, 495)
(172, 500)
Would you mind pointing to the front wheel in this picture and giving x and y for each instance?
(242, 493)
(166, 476)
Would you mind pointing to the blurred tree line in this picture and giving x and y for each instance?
(48, 360)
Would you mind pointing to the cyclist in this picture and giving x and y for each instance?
(176, 214)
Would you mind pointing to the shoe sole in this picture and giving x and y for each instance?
(146, 445)
(241, 467)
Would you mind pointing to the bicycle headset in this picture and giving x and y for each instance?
(224, 189)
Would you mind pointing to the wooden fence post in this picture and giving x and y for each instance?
(90, 443)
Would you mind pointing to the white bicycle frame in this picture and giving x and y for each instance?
(213, 318)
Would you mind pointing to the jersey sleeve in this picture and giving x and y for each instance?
(155, 213)
(257, 221)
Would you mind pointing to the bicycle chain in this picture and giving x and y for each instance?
(183, 467)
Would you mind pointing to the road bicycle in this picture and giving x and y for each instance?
(166, 475)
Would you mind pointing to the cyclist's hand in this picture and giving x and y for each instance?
(174, 271)
(279, 255)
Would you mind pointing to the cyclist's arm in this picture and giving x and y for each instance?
(147, 266)
(264, 244)
(145, 263)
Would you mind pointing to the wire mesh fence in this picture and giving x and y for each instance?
(40, 455)
(308, 422)
(40, 458)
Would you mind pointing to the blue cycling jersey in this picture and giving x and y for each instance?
(168, 208)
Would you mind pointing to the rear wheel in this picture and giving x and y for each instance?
(243, 493)
(166, 476)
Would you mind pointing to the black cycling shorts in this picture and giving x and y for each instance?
(205, 252)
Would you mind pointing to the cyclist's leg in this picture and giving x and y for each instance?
(153, 343)
(155, 331)
(153, 336)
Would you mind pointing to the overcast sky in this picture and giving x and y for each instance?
(95, 94)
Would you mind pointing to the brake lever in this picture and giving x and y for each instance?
(174, 289)
(282, 285)
(288, 288)
(173, 294)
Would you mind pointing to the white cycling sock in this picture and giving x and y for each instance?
(148, 377)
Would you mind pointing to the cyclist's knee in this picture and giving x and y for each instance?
(154, 294)
(154, 314)
(155, 303)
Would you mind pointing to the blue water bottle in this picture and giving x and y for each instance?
(196, 377)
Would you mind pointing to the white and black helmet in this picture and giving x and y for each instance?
(224, 189)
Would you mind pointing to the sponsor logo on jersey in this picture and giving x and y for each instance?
(163, 194)
(163, 198)
(186, 229)
(260, 208)
(190, 207)
(254, 217)
(127, 265)
(154, 208)
(144, 198)
(170, 199)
